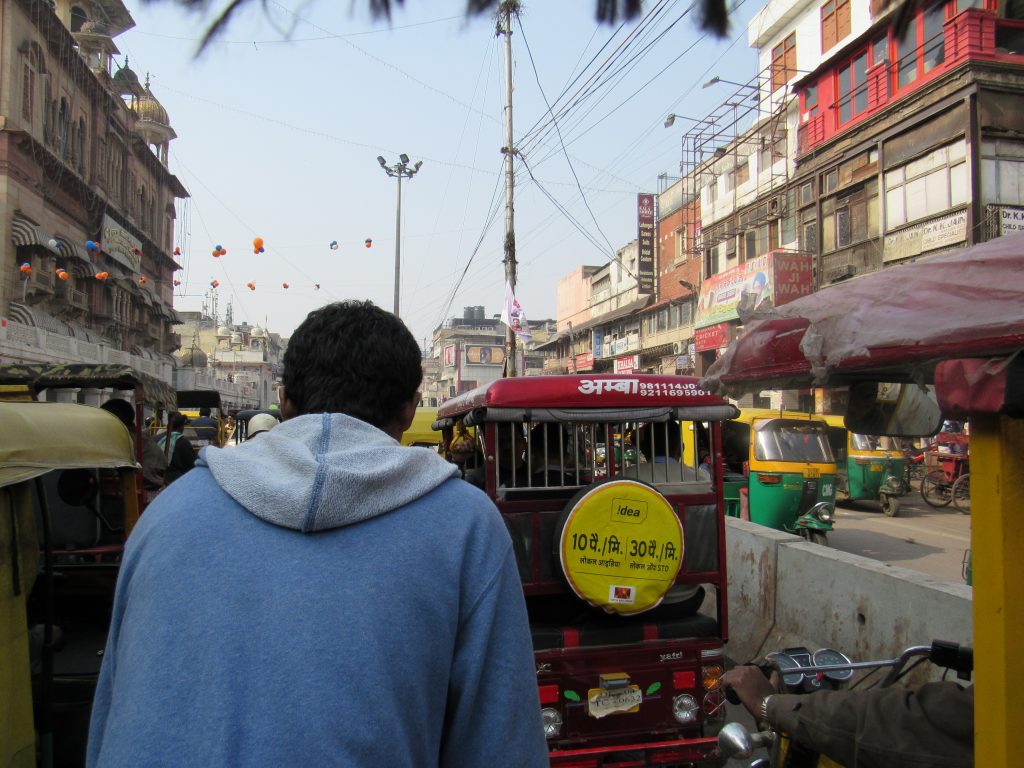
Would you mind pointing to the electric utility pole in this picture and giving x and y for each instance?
(505, 12)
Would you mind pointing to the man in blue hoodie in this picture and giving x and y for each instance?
(323, 595)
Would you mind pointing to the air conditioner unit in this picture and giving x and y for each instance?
(678, 348)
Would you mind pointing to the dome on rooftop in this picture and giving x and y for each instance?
(193, 357)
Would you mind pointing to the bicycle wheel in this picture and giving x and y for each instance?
(961, 494)
(935, 490)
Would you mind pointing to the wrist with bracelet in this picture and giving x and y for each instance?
(763, 709)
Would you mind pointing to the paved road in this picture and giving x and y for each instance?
(921, 538)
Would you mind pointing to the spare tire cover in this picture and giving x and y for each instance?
(620, 545)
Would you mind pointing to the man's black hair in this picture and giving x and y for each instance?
(204, 411)
(354, 358)
(177, 421)
(123, 410)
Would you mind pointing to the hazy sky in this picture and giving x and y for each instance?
(280, 122)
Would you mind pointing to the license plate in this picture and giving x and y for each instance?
(812, 472)
(605, 701)
(877, 467)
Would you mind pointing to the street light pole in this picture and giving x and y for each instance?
(399, 170)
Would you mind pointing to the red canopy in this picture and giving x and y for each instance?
(900, 321)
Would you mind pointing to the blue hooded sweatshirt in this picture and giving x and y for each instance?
(319, 596)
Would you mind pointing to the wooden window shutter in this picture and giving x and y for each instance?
(842, 19)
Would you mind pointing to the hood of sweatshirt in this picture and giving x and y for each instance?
(324, 470)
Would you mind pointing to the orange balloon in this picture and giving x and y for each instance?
(284, 285)
(63, 275)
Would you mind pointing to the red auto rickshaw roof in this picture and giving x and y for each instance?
(900, 321)
(584, 391)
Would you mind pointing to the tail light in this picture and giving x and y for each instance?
(548, 694)
(711, 677)
(769, 479)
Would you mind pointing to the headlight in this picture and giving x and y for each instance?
(825, 515)
(552, 720)
(684, 708)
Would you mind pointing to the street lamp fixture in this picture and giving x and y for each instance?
(672, 118)
(399, 170)
(716, 80)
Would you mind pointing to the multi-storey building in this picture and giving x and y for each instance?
(88, 200)
(909, 138)
(470, 351)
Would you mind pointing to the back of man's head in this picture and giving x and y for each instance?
(354, 358)
(204, 411)
(123, 410)
(177, 421)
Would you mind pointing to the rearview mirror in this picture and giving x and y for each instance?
(898, 410)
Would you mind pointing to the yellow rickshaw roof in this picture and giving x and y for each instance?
(39, 437)
(750, 415)
(420, 430)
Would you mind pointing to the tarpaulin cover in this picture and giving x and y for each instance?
(99, 375)
(39, 437)
(968, 303)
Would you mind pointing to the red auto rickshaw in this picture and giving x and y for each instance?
(620, 543)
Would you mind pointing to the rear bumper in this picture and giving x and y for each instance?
(700, 750)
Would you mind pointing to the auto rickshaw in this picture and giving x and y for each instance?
(68, 499)
(868, 467)
(955, 320)
(189, 403)
(789, 468)
(614, 558)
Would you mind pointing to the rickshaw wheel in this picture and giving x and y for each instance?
(935, 490)
(961, 494)
(890, 504)
(814, 536)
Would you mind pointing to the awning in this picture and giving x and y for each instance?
(24, 231)
(897, 322)
(100, 375)
(73, 252)
(37, 318)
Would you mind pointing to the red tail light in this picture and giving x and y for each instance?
(684, 680)
(548, 694)
(770, 479)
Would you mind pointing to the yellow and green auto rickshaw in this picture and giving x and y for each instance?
(789, 469)
(420, 431)
(68, 500)
(867, 467)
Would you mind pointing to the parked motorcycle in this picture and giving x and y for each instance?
(802, 671)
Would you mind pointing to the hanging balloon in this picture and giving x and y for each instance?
(25, 269)
(102, 275)
(215, 253)
(368, 242)
(316, 286)
(251, 285)
(142, 280)
(177, 251)
(52, 242)
(214, 283)
(334, 245)
(177, 282)
(257, 245)
(63, 275)
(284, 285)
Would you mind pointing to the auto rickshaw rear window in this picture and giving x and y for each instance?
(794, 441)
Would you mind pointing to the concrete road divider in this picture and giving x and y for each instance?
(784, 592)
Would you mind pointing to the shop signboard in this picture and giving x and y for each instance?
(767, 281)
(1011, 220)
(449, 355)
(121, 245)
(598, 343)
(481, 355)
(712, 337)
(627, 364)
(937, 233)
(584, 362)
(645, 242)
